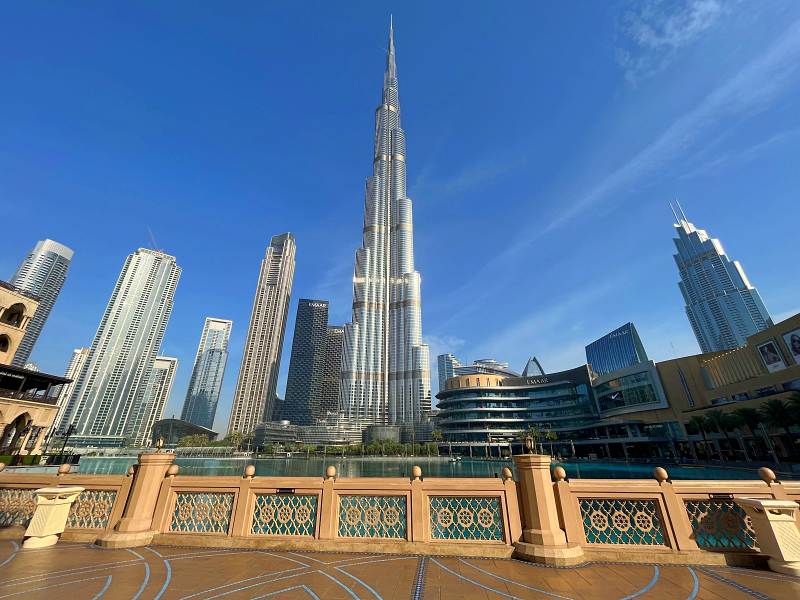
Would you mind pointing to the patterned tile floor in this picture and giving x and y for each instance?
(78, 571)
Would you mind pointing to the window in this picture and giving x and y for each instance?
(5, 343)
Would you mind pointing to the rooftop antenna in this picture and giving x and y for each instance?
(680, 208)
(672, 208)
(153, 240)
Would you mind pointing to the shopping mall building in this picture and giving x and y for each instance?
(640, 411)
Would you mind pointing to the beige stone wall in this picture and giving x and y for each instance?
(16, 310)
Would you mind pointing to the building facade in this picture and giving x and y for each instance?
(619, 349)
(332, 373)
(254, 398)
(17, 308)
(76, 362)
(446, 365)
(307, 363)
(42, 273)
(385, 372)
(721, 304)
(159, 388)
(114, 380)
(208, 371)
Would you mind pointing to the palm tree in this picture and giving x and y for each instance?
(723, 422)
(701, 424)
(794, 406)
(776, 413)
(750, 417)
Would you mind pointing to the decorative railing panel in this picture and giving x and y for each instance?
(17, 506)
(720, 524)
(476, 518)
(278, 514)
(372, 517)
(92, 509)
(621, 521)
(202, 512)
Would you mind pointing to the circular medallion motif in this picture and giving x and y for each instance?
(353, 516)
(445, 517)
(100, 510)
(621, 521)
(485, 518)
(391, 516)
(201, 511)
(184, 512)
(644, 522)
(83, 510)
(267, 513)
(284, 514)
(302, 514)
(372, 516)
(599, 521)
(219, 512)
(465, 518)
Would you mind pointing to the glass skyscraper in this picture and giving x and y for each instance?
(42, 273)
(254, 398)
(619, 349)
(205, 385)
(307, 363)
(385, 370)
(446, 364)
(114, 380)
(159, 387)
(723, 308)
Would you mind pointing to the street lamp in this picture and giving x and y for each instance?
(69, 432)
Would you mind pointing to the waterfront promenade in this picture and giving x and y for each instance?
(161, 572)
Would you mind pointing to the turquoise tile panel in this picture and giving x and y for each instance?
(17, 506)
(279, 514)
(621, 521)
(720, 524)
(372, 517)
(202, 512)
(92, 509)
(466, 518)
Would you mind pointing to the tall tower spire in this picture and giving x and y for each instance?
(385, 371)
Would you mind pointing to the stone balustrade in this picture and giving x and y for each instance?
(552, 520)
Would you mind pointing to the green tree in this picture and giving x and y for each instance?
(193, 441)
(749, 417)
(777, 413)
(723, 422)
(794, 406)
(702, 425)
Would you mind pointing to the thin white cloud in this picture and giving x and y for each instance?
(653, 31)
(470, 177)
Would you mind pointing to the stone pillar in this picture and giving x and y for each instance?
(37, 447)
(776, 530)
(135, 528)
(543, 540)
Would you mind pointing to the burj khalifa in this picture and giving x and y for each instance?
(385, 366)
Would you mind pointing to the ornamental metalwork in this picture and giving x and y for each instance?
(17, 506)
(278, 514)
(92, 509)
(372, 517)
(621, 521)
(720, 524)
(466, 518)
(202, 512)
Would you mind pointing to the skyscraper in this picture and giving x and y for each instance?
(723, 308)
(331, 374)
(114, 379)
(258, 375)
(79, 356)
(307, 363)
(446, 364)
(42, 273)
(619, 349)
(205, 385)
(159, 387)
(385, 371)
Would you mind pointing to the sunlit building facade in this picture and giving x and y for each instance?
(619, 349)
(205, 385)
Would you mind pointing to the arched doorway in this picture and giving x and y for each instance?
(13, 434)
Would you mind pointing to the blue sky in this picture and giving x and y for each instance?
(544, 142)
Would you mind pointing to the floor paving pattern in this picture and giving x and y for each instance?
(78, 571)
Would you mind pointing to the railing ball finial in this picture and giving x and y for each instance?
(506, 474)
(2, 466)
(330, 472)
(64, 469)
(660, 475)
(559, 474)
(173, 470)
(767, 475)
(131, 471)
(249, 472)
(528, 443)
(416, 472)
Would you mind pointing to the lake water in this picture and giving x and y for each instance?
(401, 467)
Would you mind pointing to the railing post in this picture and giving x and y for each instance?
(676, 518)
(240, 520)
(327, 512)
(417, 533)
(512, 506)
(543, 540)
(135, 528)
(569, 518)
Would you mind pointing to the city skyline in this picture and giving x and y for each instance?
(489, 202)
